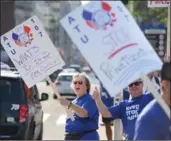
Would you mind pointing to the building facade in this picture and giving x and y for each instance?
(50, 12)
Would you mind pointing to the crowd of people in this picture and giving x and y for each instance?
(141, 115)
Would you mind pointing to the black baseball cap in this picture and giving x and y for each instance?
(166, 71)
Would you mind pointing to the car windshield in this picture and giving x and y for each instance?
(65, 78)
(11, 90)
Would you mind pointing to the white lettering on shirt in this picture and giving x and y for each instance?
(132, 111)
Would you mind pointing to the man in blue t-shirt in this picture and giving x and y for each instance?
(127, 110)
(153, 123)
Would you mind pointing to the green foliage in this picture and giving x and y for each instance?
(160, 14)
(149, 15)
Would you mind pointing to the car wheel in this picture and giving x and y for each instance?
(40, 137)
(31, 133)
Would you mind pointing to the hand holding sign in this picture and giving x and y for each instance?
(96, 95)
(69, 113)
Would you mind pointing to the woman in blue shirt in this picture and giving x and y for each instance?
(85, 111)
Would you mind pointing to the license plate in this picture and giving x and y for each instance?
(10, 119)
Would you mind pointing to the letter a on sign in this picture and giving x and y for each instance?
(71, 19)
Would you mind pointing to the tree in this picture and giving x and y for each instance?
(149, 15)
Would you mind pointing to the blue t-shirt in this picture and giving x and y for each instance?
(152, 123)
(80, 124)
(128, 112)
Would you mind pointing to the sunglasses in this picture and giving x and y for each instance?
(135, 83)
(78, 82)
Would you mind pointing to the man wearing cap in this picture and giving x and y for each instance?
(153, 123)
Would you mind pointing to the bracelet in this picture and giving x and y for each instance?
(70, 104)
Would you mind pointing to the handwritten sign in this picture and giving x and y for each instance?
(111, 41)
(31, 51)
(158, 3)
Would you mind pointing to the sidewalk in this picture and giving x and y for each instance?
(102, 131)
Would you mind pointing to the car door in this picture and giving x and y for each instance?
(38, 110)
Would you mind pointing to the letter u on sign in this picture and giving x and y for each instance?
(84, 39)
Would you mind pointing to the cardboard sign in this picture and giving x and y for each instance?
(158, 3)
(111, 41)
(31, 51)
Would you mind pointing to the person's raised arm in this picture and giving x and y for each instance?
(101, 107)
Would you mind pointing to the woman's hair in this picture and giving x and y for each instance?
(87, 80)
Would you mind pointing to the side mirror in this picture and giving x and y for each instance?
(44, 97)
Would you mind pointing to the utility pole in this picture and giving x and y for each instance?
(168, 33)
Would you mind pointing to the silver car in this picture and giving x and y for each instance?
(63, 84)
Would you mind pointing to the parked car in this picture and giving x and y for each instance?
(76, 67)
(86, 69)
(69, 70)
(53, 76)
(21, 114)
(63, 84)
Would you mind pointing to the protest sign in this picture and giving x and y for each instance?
(112, 43)
(31, 51)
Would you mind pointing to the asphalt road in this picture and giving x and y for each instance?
(54, 117)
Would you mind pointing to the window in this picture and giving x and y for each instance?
(65, 78)
(12, 90)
